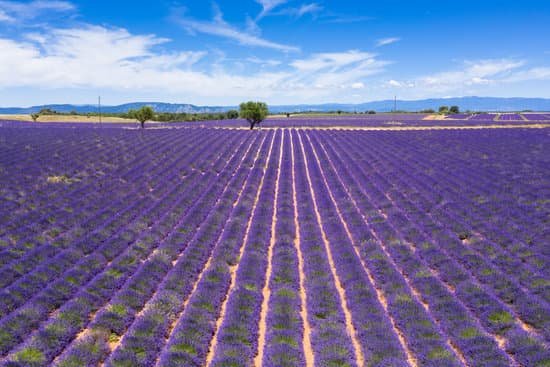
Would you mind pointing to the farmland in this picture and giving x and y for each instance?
(289, 246)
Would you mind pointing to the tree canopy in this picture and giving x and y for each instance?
(253, 112)
(145, 113)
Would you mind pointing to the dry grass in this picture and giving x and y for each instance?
(434, 117)
(65, 118)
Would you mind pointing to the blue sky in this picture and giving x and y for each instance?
(283, 52)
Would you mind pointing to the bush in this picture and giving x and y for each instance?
(232, 114)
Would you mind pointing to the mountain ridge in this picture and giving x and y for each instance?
(472, 103)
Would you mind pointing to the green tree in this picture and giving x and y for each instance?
(443, 109)
(454, 109)
(145, 113)
(35, 116)
(253, 112)
(232, 114)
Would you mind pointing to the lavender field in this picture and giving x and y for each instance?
(280, 247)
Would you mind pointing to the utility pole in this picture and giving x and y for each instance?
(99, 107)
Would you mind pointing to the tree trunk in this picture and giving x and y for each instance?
(252, 125)
(142, 124)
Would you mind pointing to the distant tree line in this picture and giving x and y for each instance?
(446, 110)
(170, 117)
(157, 116)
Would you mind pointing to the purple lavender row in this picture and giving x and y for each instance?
(15, 295)
(127, 300)
(285, 329)
(189, 341)
(19, 268)
(449, 220)
(452, 316)
(510, 117)
(421, 333)
(531, 308)
(457, 221)
(496, 318)
(208, 209)
(101, 287)
(113, 319)
(26, 266)
(537, 116)
(70, 167)
(331, 343)
(483, 187)
(530, 279)
(146, 336)
(490, 175)
(52, 298)
(27, 154)
(237, 336)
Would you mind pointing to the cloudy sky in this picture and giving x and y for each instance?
(280, 51)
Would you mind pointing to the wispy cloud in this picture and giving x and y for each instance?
(479, 72)
(309, 9)
(337, 70)
(538, 73)
(5, 17)
(266, 62)
(218, 27)
(472, 77)
(94, 57)
(14, 11)
(344, 19)
(387, 41)
(298, 12)
(268, 6)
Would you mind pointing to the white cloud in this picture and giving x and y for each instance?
(387, 41)
(97, 58)
(13, 11)
(473, 73)
(268, 6)
(304, 9)
(344, 19)
(309, 9)
(218, 27)
(4, 17)
(333, 60)
(474, 77)
(539, 73)
(395, 83)
(90, 56)
(267, 62)
(332, 72)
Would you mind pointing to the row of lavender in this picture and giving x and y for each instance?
(375, 248)
(382, 120)
(492, 284)
(106, 255)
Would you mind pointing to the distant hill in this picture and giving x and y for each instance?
(157, 106)
(465, 103)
